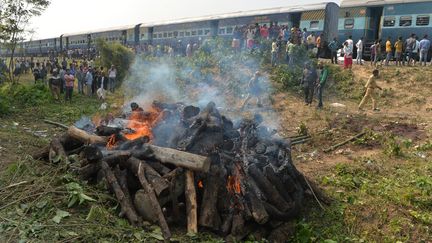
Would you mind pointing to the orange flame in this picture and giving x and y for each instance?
(141, 123)
(111, 142)
(200, 184)
(233, 184)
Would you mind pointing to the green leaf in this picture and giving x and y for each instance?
(41, 204)
(60, 214)
(83, 197)
(72, 201)
(157, 236)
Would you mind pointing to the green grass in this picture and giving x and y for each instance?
(377, 199)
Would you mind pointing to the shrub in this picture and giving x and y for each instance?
(115, 54)
(24, 95)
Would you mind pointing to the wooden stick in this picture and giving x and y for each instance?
(344, 142)
(84, 137)
(126, 205)
(56, 124)
(191, 204)
(154, 202)
(172, 156)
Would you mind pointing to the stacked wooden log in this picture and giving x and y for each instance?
(200, 169)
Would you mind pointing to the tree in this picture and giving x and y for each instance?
(115, 54)
(15, 16)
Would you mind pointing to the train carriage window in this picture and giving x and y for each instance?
(188, 33)
(200, 32)
(422, 20)
(389, 21)
(160, 35)
(206, 31)
(405, 21)
(170, 34)
(349, 23)
(193, 32)
(181, 34)
(314, 25)
(229, 30)
(222, 31)
(154, 36)
(165, 35)
(175, 33)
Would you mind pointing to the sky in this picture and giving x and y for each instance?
(65, 16)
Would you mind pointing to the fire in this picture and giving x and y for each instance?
(200, 184)
(111, 142)
(141, 123)
(233, 184)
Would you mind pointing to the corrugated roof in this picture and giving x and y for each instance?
(288, 9)
(354, 3)
(100, 30)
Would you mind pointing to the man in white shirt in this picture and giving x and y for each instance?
(112, 75)
(350, 42)
(359, 46)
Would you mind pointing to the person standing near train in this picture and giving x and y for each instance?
(399, 51)
(410, 44)
(388, 51)
(359, 45)
(347, 56)
(333, 46)
(424, 49)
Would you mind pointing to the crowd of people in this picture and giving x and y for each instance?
(62, 77)
(97, 80)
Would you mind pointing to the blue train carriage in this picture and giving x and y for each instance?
(404, 19)
(321, 19)
(76, 40)
(182, 31)
(48, 45)
(110, 35)
(228, 22)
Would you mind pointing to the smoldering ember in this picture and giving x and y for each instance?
(176, 164)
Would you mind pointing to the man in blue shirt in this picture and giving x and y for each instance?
(424, 49)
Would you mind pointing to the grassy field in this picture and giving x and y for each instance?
(380, 184)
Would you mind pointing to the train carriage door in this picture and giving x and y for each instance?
(124, 37)
(374, 30)
(214, 27)
(89, 41)
(294, 19)
(150, 35)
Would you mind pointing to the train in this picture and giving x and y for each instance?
(371, 19)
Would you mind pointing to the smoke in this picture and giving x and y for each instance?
(219, 76)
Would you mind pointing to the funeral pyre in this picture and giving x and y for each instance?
(179, 164)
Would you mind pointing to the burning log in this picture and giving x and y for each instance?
(209, 215)
(125, 203)
(154, 203)
(191, 204)
(268, 189)
(246, 181)
(84, 137)
(158, 182)
(178, 158)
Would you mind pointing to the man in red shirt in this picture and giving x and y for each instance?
(69, 80)
(264, 32)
